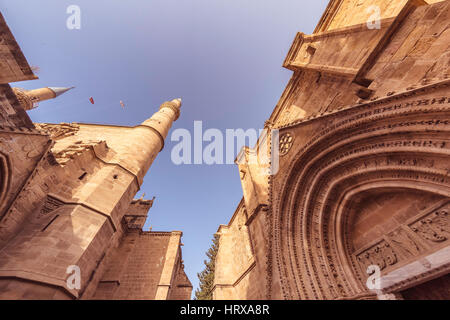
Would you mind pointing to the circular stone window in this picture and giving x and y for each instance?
(285, 144)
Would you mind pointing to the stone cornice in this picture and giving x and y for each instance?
(239, 279)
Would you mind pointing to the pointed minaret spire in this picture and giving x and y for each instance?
(59, 91)
(145, 141)
(29, 98)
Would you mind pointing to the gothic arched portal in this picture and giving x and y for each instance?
(360, 193)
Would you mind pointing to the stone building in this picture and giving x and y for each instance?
(66, 201)
(363, 179)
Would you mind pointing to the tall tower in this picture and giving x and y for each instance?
(29, 98)
(96, 172)
(142, 145)
(66, 201)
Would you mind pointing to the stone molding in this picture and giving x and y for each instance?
(350, 155)
(247, 270)
(5, 173)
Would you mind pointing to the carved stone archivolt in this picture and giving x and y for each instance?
(395, 143)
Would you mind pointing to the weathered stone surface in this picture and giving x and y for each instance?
(143, 267)
(13, 66)
(66, 199)
(363, 165)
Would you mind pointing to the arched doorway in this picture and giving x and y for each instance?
(322, 218)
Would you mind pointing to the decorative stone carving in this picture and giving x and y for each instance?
(58, 131)
(434, 227)
(23, 99)
(285, 144)
(353, 149)
(404, 243)
(380, 255)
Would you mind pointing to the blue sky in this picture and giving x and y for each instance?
(222, 57)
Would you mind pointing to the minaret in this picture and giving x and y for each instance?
(116, 171)
(162, 120)
(29, 98)
(146, 140)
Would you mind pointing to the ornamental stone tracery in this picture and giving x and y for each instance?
(285, 143)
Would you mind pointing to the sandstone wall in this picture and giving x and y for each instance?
(65, 194)
(135, 269)
(345, 13)
(241, 255)
(362, 128)
(353, 65)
